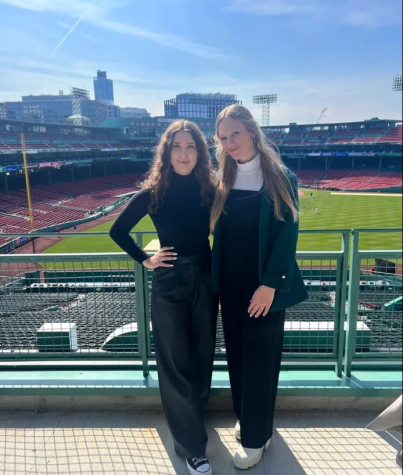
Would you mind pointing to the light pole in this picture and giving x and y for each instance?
(397, 83)
(78, 95)
(265, 101)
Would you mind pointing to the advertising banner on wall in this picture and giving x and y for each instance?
(362, 154)
(166, 121)
(342, 154)
(51, 165)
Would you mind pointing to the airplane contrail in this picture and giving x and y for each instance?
(75, 26)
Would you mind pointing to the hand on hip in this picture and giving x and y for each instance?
(164, 254)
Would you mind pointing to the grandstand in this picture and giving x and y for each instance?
(77, 172)
(364, 156)
(65, 203)
(375, 131)
(28, 309)
(64, 141)
(347, 180)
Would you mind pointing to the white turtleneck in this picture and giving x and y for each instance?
(249, 176)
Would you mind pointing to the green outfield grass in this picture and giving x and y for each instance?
(335, 212)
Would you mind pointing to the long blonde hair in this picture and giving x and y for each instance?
(276, 181)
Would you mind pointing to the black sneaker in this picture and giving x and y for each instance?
(199, 466)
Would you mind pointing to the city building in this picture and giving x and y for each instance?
(103, 88)
(200, 106)
(3, 112)
(50, 109)
(47, 97)
(152, 128)
(96, 111)
(114, 112)
(133, 113)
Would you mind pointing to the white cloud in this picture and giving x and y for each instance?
(299, 100)
(99, 17)
(74, 8)
(91, 38)
(273, 7)
(170, 41)
(373, 13)
(66, 26)
(359, 13)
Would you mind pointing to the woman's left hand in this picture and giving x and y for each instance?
(261, 302)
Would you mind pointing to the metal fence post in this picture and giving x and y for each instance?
(147, 313)
(141, 283)
(341, 293)
(353, 301)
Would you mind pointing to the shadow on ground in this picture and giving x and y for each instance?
(98, 443)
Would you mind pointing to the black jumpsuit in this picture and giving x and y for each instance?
(184, 309)
(254, 346)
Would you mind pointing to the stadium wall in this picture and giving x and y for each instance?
(393, 189)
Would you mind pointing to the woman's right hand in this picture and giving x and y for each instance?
(164, 254)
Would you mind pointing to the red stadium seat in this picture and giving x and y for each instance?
(62, 203)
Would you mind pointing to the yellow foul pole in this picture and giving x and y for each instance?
(24, 154)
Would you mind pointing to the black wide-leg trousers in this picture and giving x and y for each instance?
(254, 352)
(184, 317)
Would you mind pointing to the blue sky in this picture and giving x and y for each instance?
(340, 54)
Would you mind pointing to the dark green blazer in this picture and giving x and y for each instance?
(278, 268)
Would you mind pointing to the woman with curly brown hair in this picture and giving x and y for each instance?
(178, 195)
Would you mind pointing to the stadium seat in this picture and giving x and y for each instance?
(66, 202)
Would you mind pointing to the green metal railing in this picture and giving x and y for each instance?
(353, 315)
(384, 315)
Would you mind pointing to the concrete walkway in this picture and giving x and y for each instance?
(138, 443)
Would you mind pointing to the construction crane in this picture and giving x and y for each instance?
(322, 115)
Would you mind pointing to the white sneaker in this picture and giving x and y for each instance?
(248, 458)
(238, 431)
(199, 466)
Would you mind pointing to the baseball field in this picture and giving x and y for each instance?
(333, 211)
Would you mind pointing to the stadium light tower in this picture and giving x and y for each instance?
(266, 101)
(78, 95)
(397, 83)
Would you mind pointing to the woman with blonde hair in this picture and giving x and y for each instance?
(255, 221)
(178, 195)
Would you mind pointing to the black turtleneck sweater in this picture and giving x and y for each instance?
(181, 222)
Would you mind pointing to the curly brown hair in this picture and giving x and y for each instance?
(159, 176)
